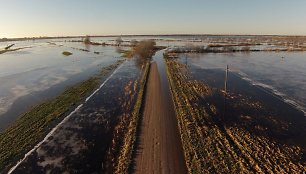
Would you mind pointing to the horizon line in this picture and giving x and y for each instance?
(127, 35)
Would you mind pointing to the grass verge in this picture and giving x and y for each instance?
(33, 125)
(125, 157)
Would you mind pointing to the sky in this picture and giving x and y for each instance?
(33, 18)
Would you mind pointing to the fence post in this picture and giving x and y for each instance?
(225, 91)
(225, 82)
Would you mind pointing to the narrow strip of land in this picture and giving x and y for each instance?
(159, 149)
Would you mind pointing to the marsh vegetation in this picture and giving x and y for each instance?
(249, 137)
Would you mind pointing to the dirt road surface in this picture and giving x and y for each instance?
(159, 149)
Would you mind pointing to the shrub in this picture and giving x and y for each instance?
(145, 49)
(87, 40)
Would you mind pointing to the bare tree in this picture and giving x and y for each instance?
(119, 41)
(87, 40)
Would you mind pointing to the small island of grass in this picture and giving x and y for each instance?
(67, 53)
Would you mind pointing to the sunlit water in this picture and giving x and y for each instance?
(32, 75)
(27, 73)
(283, 74)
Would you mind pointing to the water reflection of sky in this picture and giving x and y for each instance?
(43, 66)
(283, 73)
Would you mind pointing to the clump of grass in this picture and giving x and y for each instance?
(33, 125)
(127, 53)
(67, 53)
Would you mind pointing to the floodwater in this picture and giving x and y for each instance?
(282, 74)
(73, 144)
(32, 75)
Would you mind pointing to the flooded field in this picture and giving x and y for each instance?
(90, 138)
(257, 125)
(282, 74)
(246, 129)
(157, 87)
(32, 75)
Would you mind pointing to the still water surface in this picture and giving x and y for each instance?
(281, 73)
(32, 75)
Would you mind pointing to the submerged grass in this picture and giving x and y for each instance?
(213, 143)
(127, 53)
(33, 125)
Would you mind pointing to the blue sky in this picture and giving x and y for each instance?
(20, 18)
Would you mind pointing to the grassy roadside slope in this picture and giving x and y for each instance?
(125, 158)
